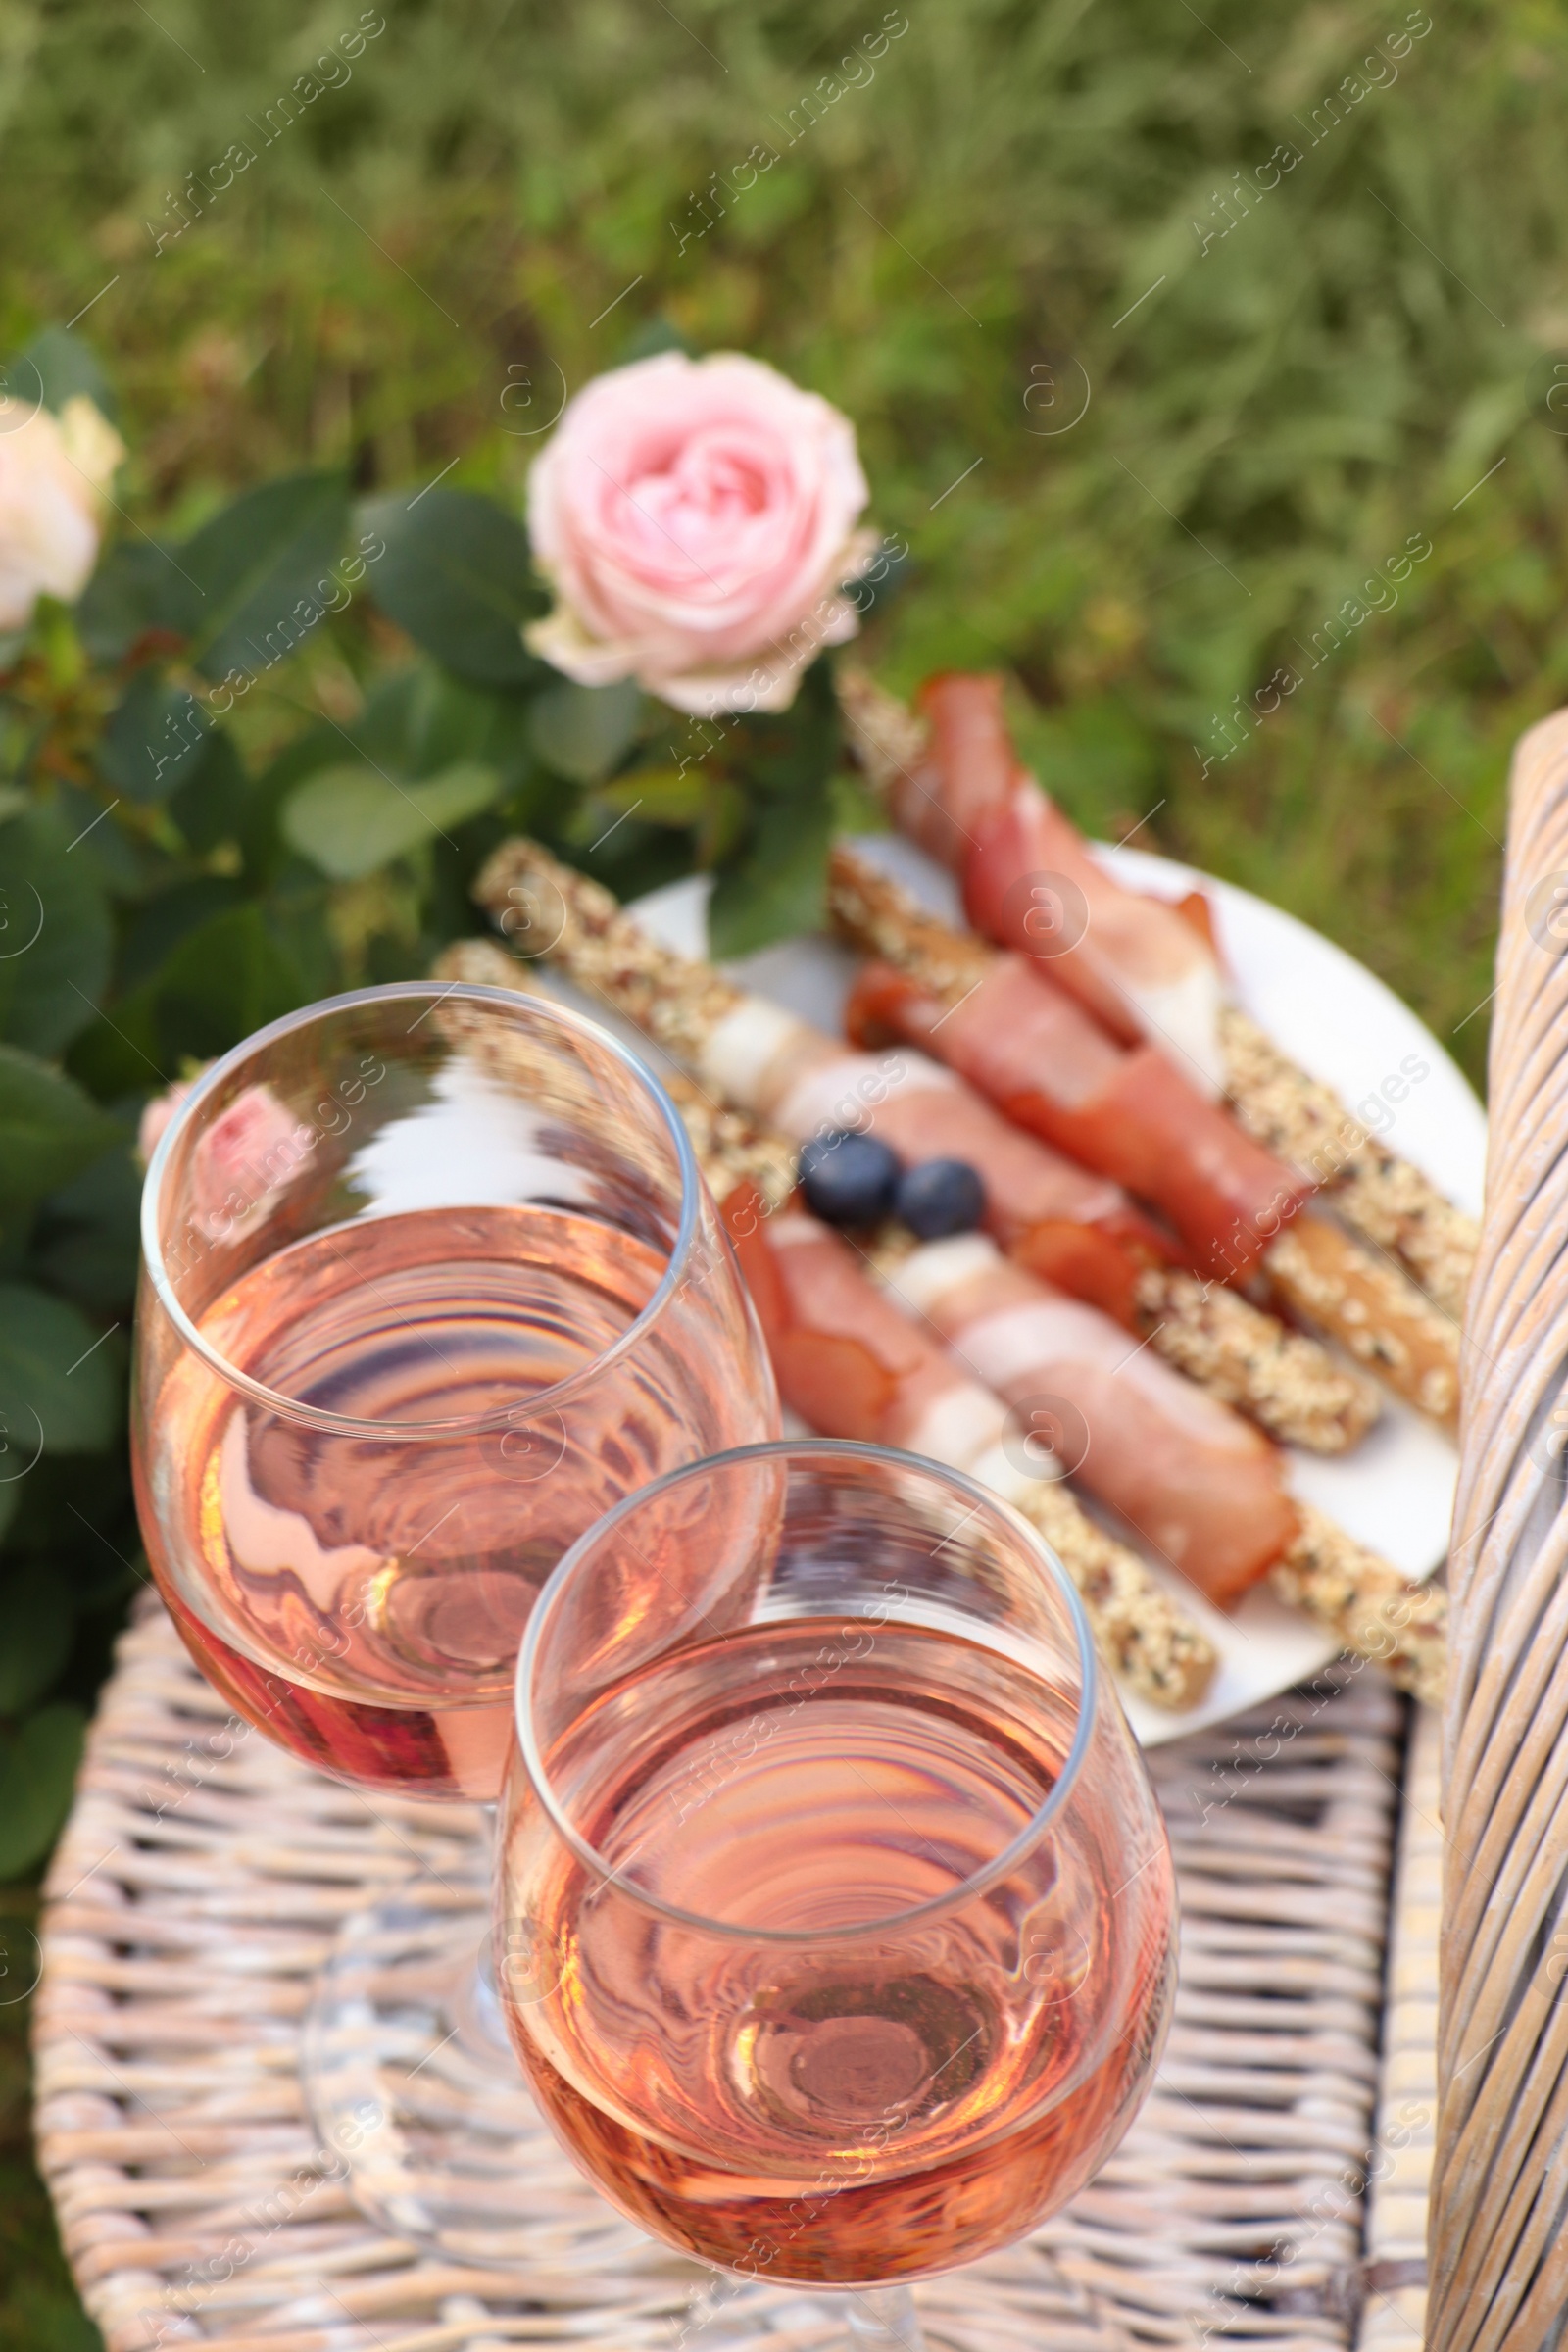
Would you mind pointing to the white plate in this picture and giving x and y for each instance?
(1396, 1491)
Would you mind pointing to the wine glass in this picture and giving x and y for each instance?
(430, 1281)
(835, 1911)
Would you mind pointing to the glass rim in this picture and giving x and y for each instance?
(499, 1419)
(840, 1449)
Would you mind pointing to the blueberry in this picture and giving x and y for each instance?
(848, 1179)
(939, 1197)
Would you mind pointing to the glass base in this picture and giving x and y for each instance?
(883, 2319)
(420, 2103)
(421, 2109)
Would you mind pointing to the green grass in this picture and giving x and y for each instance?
(482, 212)
(1292, 402)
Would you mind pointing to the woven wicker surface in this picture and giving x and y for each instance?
(1396, 2277)
(1499, 2179)
(204, 1874)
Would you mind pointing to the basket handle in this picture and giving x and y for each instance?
(1498, 2215)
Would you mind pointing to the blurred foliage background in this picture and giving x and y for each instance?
(1162, 334)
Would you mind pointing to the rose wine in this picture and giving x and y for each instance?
(362, 1596)
(868, 2106)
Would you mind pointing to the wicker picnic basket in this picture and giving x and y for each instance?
(1276, 2187)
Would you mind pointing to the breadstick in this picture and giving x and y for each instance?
(1383, 1197)
(1281, 1379)
(1372, 1309)
(1374, 1611)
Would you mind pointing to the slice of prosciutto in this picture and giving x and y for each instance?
(1030, 883)
(1201, 1486)
(1077, 1227)
(1126, 1112)
(849, 1360)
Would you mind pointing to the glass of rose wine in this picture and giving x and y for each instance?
(430, 1281)
(835, 1911)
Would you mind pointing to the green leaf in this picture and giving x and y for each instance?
(39, 1626)
(109, 1190)
(384, 732)
(121, 854)
(138, 587)
(349, 820)
(450, 719)
(212, 799)
(776, 888)
(38, 1774)
(86, 1245)
(122, 1056)
(582, 731)
(63, 364)
(157, 926)
(155, 740)
(261, 847)
(49, 1129)
(654, 335)
(59, 1378)
(223, 980)
(422, 719)
(658, 795)
(55, 933)
(260, 570)
(788, 753)
(457, 576)
(94, 1265)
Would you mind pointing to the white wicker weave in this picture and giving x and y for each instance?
(204, 1872)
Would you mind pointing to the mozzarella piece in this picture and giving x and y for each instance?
(743, 1048)
(960, 1427)
(839, 1094)
(788, 1231)
(936, 1267)
(997, 1470)
(1182, 1019)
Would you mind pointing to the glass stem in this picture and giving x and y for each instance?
(882, 2319)
(479, 2001)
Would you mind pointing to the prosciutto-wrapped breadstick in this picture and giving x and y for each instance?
(952, 780)
(1029, 1048)
(954, 785)
(1201, 1487)
(823, 1328)
(1034, 1052)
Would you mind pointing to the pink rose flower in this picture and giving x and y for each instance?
(241, 1164)
(53, 474)
(696, 519)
